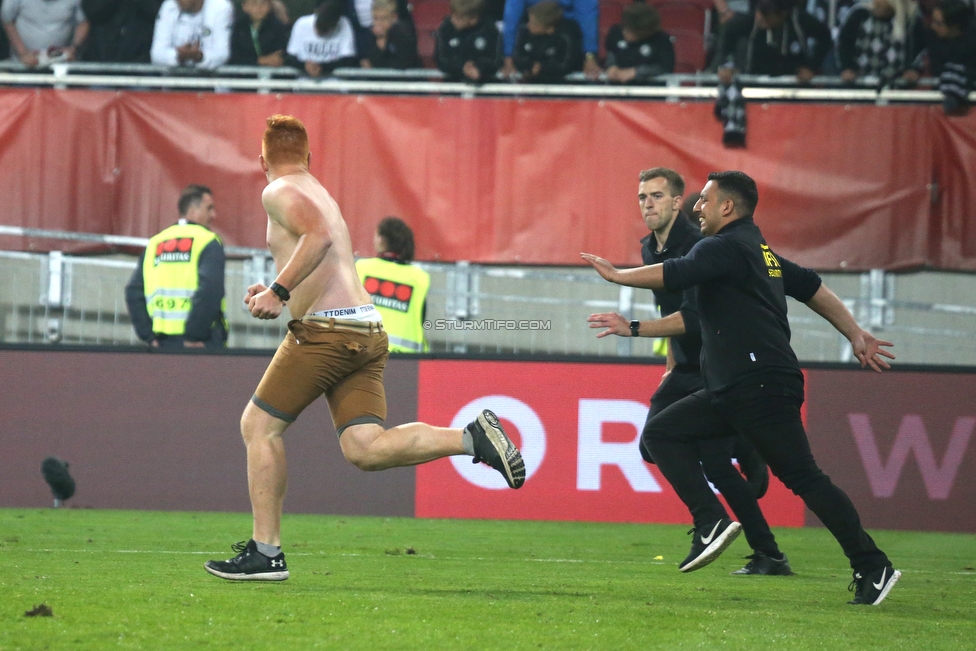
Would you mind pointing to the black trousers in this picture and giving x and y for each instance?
(715, 456)
(766, 411)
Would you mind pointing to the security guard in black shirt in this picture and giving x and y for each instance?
(754, 385)
(672, 236)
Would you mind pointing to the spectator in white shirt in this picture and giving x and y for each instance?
(323, 41)
(194, 33)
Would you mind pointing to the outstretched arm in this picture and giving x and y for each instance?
(616, 324)
(866, 347)
(648, 277)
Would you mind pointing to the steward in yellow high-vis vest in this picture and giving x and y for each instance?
(176, 294)
(398, 289)
(399, 292)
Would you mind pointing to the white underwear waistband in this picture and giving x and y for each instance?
(367, 313)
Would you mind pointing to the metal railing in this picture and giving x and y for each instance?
(472, 308)
(673, 87)
(71, 299)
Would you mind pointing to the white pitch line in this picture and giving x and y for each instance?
(344, 554)
(135, 551)
(808, 571)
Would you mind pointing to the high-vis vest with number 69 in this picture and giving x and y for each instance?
(171, 274)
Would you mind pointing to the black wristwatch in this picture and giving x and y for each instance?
(282, 293)
(635, 328)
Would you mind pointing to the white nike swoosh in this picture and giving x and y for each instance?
(877, 586)
(711, 535)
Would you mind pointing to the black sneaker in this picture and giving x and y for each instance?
(871, 589)
(492, 446)
(708, 542)
(249, 565)
(762, 564)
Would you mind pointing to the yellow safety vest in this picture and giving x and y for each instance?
(398, 292)
(661, 346)
(171, 274)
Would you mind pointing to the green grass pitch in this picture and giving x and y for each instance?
(135, 580)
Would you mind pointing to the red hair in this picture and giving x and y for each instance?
(285, 141)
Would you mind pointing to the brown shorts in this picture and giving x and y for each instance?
(342, 359)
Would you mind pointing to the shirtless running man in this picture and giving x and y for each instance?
(336, 345)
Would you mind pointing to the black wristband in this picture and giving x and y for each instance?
(282, 293)
(635, 328)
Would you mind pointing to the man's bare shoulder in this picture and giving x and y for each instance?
(297, 202)
(281, 192)
(283, 197)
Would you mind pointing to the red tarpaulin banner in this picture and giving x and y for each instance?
(954, 219)
(503, 180)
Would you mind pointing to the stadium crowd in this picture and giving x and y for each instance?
(891, 41)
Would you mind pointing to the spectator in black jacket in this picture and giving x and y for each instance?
(876, 40)
(953, 38)
(466, 46)
(638, 49)
(950, 53)
(121, 30)
(548, 47)
(259, 38)
(394, 42)
(780, 39)
(955, 42)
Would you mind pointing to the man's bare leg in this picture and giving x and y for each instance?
(267, 471)
(370, 447)
(367, 446)
(261, 558)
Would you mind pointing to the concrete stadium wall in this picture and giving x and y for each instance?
(159, 431)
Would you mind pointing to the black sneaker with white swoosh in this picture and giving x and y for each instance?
(709, 542)
(249, 565)
(871, 589)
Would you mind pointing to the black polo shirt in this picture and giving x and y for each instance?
(685, 348)
(741, 290)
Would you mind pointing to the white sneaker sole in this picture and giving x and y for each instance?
(262, 576)
(891, 583)
(715, 549)
(502, 444)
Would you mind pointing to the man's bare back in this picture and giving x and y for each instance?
(310, 244)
